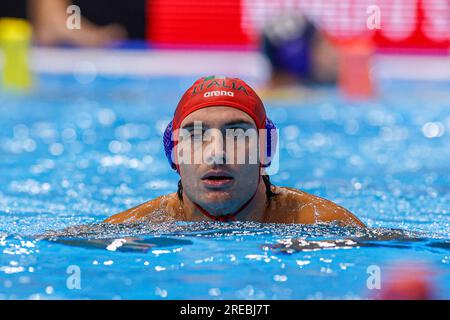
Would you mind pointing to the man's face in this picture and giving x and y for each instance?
(225, 174)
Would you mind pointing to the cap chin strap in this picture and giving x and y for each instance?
(231, 216)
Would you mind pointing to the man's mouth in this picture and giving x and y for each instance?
(217, 179)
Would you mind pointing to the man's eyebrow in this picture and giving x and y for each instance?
(238, 123)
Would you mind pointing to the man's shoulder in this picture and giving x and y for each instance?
(164, 205)
(301, 207)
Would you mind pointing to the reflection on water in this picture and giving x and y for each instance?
(290, 238)
(218, 229)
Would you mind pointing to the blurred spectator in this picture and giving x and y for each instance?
(298, 52)
(102, 22)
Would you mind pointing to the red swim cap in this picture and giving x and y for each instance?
(220, 91)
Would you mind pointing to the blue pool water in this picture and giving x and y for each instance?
(74, 153)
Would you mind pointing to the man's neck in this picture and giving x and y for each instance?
(253, 211)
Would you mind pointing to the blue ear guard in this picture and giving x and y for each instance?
(168, 144)
(271, 136)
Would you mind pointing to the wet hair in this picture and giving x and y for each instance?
(266, 179)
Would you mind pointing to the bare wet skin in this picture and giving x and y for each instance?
(288, 206)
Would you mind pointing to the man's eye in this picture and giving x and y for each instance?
(197, 135)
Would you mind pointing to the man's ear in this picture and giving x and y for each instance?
(168, 142)
(262, 147)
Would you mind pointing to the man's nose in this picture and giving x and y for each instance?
(216, 153)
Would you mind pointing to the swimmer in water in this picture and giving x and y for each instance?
(218, 187)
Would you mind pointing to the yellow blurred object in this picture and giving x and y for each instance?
(15, 38)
